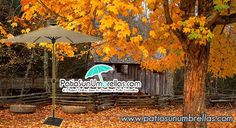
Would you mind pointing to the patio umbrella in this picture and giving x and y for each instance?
(53, 34)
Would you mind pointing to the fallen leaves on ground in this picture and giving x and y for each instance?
(107, 118)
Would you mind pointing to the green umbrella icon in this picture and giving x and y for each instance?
(98, 70)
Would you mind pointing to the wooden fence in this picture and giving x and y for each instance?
(35, 98)
(88, 100)
(137, 101)
(98, 102)
(93, 102)
(211, 100)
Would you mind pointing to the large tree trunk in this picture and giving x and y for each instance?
(194, 82)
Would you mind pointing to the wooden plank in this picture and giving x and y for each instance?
(157, 82)
(75, 98)
(107, 96)
(222, 101)
(11, 101)
(81, 102)
(125, 71)
(138, 100)
(106, 101)
(76, 94)
(129, 72)
(136, 73)
(165, 82)
(133, 96)
(141, 78)
(35, 100)
(144, 98)
(161, 83)
(133, 72)
(147, 81)
(152, 83)
(40, 102)
(34, 97)
(25, 95)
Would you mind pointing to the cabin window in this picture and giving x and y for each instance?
(124, 69)
(155, 71)
(118, 68)
(121, 68)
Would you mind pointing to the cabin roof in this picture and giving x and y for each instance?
(124, 60)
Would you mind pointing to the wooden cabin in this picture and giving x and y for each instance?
(153, 83)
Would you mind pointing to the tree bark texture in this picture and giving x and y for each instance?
(194, 82)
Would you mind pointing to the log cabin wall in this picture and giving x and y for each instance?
(153, 83)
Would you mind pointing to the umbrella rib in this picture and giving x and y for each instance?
(69, 39)
(36, 39)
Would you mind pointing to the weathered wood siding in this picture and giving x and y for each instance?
(18, 83)
(152, 83)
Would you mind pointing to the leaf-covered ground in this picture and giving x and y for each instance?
(106, 119)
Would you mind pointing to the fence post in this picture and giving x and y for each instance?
(95, 103)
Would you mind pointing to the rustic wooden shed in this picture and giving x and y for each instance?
(153, 83)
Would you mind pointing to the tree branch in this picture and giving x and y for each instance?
(211, 19)
(226, 19)
(167, 12)
(170, 21)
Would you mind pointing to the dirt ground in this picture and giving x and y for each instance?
(108, 118)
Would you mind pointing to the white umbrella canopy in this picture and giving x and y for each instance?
(50, 32)
(53, 34)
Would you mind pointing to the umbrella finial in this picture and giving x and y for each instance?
(51, 22)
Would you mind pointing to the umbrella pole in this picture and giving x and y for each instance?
(53, 78)
(53, 120)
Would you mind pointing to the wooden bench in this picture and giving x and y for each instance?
(139, 101)
(74, 109)
(23, 108)
(224, 100)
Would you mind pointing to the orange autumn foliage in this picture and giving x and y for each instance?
(114, 21)
(4, 34)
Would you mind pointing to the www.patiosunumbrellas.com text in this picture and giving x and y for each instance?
(92, 85)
